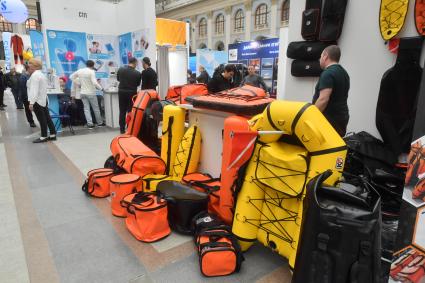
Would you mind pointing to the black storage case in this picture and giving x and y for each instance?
(306, 50)
(300, 68)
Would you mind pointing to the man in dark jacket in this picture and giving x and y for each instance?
(203, 77)
(2, 88)
(253, 79)
(129, 79)
(23, 94)
(222, 81)
(149, 76)
(12, 81)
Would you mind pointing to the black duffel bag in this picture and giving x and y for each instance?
(300, 68)
(340, 239)
(306, 50)
(183, 203)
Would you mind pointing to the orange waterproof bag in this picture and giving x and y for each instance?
(97, 182)
(141, 101)
(146, 216)
(135, 157)
(121, 186)
(178, 94)
(205, 183)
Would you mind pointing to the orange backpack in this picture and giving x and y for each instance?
(141, 101)
(97, 182)
(146, 216)
(121, 186)
(135, 157)
(178, 94)
(207, 184)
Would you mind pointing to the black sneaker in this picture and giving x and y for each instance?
(101, 125)
(20, 108)
(52, 138)
(3, 105)
(40, 140)
(91, 127)
(32, 125)
(2, 108)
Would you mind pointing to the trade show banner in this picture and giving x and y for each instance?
(103, 50)
(409, 260)
(37, 45)
(210, 59)
(67, 51)
(263, 55)
(125, 45)
(7, 52)
(140, 44)
(192, 64)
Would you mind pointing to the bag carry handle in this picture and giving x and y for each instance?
(361, 271)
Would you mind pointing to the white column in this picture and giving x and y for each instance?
(227, 27)
(193, 30)
(210, 30)
(273, 18)
(248, 17)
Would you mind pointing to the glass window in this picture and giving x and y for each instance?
(239, 21)
(261, 14)
(285, 11)
(5, 26)
(32, 24)
(203, 27)
(219, 24)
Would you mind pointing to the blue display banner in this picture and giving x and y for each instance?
(37, 45)
(126, 51)
(67, 51)
(103, 50)
(192, 64)
(210, 59)
(7, 52)
(263, 55)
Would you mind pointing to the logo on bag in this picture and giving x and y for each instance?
(339, 163)
(113, 194)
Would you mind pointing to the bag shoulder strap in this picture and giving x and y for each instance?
(361, 271)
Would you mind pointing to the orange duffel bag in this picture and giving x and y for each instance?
(135, 157)
(207, 184)
(178, 94)
(141, 101)
(97, 182)
(146, 216)
(121, 186)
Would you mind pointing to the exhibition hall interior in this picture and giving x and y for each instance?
(212, 141)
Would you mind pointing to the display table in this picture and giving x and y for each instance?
(52, 95)
(211, 125)
(112, 110)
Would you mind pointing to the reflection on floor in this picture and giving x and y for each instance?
(51, 232)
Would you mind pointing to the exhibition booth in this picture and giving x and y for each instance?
(249, 165)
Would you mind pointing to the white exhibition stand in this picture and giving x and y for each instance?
(211, 125)
(112, 110)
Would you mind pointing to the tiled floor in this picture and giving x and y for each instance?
(51, 232)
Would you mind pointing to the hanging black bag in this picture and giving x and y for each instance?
(311, 19)
(333, 14)
(341, 234)
(306, 50)
(300, 68)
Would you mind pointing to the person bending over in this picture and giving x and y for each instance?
(253, 79)
(222, 81)
(129, 79)
(149, 76)
(37, 96)
(89, 84)
(331, 92)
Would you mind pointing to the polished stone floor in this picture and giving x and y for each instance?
(51, 232)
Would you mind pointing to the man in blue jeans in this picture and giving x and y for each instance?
(89, 84)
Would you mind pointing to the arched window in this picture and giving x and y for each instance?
(219, 46)
(285, 11)
(203, 27)
(219, 24)
(5, 26)
(202, 46)
(239, 21)
(261, 14)
(32, 24)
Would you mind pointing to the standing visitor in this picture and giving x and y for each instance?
(23, 93)
(222, 81)
(331, 91)
(203, 77)
(12, 81)
(2, 88)
(129, 79)
(37, 96)
(149, 76)
(89, 84)
(253, 79)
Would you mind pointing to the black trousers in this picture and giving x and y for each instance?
(1, 97)
(43, 117)
(125, 103)
(28, 112)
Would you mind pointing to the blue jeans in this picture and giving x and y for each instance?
(91, 100)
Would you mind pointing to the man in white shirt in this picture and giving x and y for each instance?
(89, 84)
(37, 97)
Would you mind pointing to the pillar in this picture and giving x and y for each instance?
(273, 18)
(194, 34)
(227, 27)
(248, 19)
(210, 30)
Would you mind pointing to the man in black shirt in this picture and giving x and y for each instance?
(222, 81)
(331, 91)
(203, 77)
(129, 79)
(149, 76)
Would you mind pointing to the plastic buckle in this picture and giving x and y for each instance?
(322, 241)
